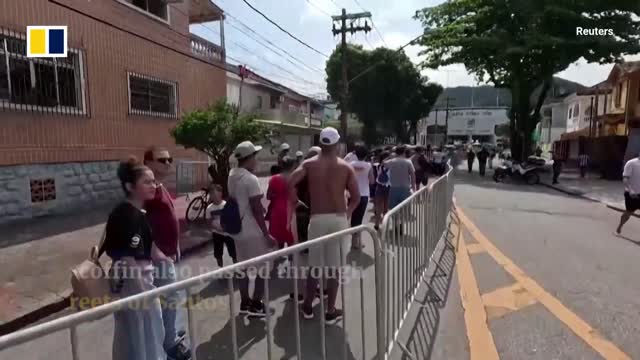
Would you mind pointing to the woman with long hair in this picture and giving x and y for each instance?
(139, 330)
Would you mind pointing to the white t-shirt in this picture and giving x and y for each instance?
(351, 157)
(362, 169)
(632, 171)
(215, 219)
(244, 185)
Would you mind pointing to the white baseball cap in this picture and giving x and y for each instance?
(329, 136)
(246, 148)
(315, 149)
(284, 146)
(299, 153)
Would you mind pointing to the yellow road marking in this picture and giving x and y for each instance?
(604, 347)
(481, 345)
(506, 300)
(475, 248)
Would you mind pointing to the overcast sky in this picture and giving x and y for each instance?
(308, 22)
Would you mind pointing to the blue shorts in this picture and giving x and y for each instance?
(398, 195)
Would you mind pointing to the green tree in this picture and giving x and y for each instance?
(390, 99)
(216, 131)
(520, 44)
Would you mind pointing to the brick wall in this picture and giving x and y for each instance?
(109, 132)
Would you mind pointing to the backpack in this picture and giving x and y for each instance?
(230, 219)
(383, 176)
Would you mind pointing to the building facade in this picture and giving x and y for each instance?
(463, 125)
(133, 68)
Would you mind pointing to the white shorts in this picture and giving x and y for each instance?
(333, 252)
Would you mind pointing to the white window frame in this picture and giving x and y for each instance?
(81, 97)
(166, 21)
(173, 84)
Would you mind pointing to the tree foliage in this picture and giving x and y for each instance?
(216, 131)
(390, 99)
(520, 44)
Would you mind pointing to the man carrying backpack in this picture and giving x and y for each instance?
(244, 219)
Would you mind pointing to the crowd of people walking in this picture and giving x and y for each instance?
(309, 196)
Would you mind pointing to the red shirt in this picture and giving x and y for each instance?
(162, 217)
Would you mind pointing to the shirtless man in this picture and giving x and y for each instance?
(328, 177)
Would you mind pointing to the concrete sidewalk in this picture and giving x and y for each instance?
(592, 187)
(36, 276)
(35, 282)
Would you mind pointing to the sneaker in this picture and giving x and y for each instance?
(244, 308)
(332, 316)
(179, 352)
(307, 312)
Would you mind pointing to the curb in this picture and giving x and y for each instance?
(62, 304)
(580, 195)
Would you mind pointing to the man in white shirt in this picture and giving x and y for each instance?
(254, 239)
(364, 176)
(631, 180)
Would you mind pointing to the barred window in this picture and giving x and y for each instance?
(151, 96)
(39, 84)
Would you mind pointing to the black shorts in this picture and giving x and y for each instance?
(358, 213)
(631, 203)
(219, 243)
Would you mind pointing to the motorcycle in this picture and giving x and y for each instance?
(527, 171)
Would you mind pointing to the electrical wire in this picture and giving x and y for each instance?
(252, 52)
(379, 62)
(318, 8)
(284, 30)
(373, 25)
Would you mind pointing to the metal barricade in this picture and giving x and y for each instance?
(318, 345)
(191, 176)
(410, 233)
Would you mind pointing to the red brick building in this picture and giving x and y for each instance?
(133, 68)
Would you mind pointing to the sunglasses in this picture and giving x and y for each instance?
(165, 161)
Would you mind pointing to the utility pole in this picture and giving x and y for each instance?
(343, 30)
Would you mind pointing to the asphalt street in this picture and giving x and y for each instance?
(556, 282)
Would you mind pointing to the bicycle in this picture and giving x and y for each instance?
(198, 206)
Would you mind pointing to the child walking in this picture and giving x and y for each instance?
(218, 236)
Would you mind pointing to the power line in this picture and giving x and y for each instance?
(373, 25)
(243, 47)
(283, 30)
(379, 62)
(318, 8)
(269, 42)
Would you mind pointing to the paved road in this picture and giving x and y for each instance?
(555, 283)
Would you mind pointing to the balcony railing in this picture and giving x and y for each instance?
(206, 49)
(293, 118)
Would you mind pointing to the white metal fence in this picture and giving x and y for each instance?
(410, 234)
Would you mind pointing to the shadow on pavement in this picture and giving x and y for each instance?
(637, 242)
(422, 336)
(22, 231)
(310, 334)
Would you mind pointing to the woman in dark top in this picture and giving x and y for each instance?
(138, 331)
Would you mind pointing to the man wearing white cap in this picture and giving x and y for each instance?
(328, 177)
(254, 238)
(299, 157)
(284, 151)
